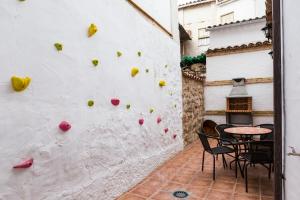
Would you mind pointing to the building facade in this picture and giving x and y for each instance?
(195, 16)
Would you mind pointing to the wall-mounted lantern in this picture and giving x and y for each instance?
(268, 31)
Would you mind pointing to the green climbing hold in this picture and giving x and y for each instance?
(58, 46)
(147, 70)
(95, 62)
(119, 53)
(90, 103)
(166, 66)
(128, 106)
(139, 54)
(151, 110)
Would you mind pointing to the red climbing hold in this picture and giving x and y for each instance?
(158, 120)
(174, 136)
(115, 102)
(141, 121)
(64, 126)
(166, 130)
(24, 164)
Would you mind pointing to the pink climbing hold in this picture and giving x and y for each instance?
(158, 120)
(115, 102)
(174, 136)
(64, 126)
(141, 121)
(24, 164)
(166, 130)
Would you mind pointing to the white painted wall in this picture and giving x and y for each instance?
(243, 9)
(237, 34)
(106, 152)
(291, 48)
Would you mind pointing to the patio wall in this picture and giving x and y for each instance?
(106, 151)
(252, 63)
(193, 108)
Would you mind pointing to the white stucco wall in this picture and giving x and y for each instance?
(243, 9)
(291, 48)
(237, 34)
(106, 152)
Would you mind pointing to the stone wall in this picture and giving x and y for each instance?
(193, 104)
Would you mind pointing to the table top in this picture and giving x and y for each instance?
(248, 130)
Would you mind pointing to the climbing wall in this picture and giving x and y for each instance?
(90, 96)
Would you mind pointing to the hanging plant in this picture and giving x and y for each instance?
(188, 61)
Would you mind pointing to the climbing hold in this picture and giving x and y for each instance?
(24, 164)
(64, 126)
(92, 30)
(115, 102)
(95, 62)
(151, 110)
(128, 106)
(166, 130)
(139, 54)
(174, 136)
(166, 66)
(19, 84)
(158, 120)
(119, 53)
(90, 103)
(141, 121)
(147, 70)
(162, 83)
(21, 0)
(134, 71)
(58, 46)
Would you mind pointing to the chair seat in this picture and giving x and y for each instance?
(222, 150)
(258, 157)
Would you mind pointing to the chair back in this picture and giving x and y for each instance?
(220, 129)
(204, 140)
(267, 136)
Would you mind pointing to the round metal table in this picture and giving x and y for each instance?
(249, 131)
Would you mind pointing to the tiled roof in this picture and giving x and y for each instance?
(191, 3)
(236, 22)
(237, 48)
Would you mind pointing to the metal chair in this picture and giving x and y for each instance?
(214, 151)
(256, 155)
(267, 136)
(227, 139)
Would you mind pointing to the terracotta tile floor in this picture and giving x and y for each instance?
(183, 172)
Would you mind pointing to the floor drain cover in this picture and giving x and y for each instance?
(180, 194)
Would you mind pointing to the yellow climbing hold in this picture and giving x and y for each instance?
(119, 53)
(134, 71)
(162, 83)
(95, 62)
(19, 84)
(58, 46)
(92, 30)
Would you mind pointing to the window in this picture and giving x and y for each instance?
(203, 39)
(227, 18)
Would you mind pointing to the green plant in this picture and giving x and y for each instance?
(189, 60)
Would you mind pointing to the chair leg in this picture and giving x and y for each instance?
(270, 169)
(203, 160)
(246, 177)
(214, 168)
(236, 164)
(224, 161)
